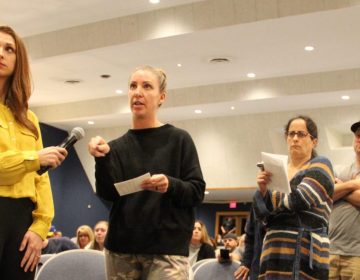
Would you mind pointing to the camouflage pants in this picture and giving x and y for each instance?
(146, 267)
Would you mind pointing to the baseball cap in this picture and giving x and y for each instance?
(230, 236)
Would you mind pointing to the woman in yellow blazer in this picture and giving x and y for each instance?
(26, 205)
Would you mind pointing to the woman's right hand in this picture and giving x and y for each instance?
(52, 156)
(262, 179)
(98, 147)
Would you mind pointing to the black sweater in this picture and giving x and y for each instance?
(149, 222)
(255, 232)
(206, 252)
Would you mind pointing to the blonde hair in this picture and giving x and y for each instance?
(159, 73)
(94, 244)
(87, 230)
(101, 222)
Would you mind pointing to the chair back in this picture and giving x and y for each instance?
(43, 259)
(197, 264)
(76, 264)
(213, 270)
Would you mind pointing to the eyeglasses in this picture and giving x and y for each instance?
(300, 134)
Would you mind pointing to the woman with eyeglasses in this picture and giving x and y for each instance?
(296, 244)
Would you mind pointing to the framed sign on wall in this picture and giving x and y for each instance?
(230, 222)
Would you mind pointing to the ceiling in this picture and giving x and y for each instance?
(82, 40)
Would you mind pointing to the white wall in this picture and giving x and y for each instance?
(229, 147)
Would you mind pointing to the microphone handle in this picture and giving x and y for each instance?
(43, 169)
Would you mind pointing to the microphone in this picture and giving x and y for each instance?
(76, 134)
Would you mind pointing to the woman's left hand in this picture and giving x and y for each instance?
(32, 242)
(157, 183)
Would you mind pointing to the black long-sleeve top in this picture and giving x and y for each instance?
(149, 222)
(206, 252)
(255, 232)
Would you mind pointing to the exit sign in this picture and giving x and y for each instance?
(232, 204)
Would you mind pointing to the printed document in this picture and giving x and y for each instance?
(132, 185)
(277, 165)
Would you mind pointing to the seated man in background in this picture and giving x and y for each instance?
(231, 243)
(228, 226)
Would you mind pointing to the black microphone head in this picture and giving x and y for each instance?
(78, 133)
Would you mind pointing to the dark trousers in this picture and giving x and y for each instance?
(15, 219)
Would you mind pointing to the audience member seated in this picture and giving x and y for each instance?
(200, 245)
(213, 242)
(231, 243)
(228, 226)
(100, 231)
(57, 233)
(57, 244)
(84, 235)
(51, 232)
(218, 241)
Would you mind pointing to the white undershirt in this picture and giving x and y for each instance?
(193, 253)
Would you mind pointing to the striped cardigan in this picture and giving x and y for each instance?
(296, 244)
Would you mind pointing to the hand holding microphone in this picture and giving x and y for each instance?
(52, 157)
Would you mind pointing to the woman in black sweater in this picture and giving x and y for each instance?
(149, 230)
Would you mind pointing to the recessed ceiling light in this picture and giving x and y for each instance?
(154, 1)
(198, 111)
(309, 48)
(179, 65)
(206, 192)
(345, 97)
(251, 75)
(72, 82)
(119, 91)
(232, 107)
(91, 122)
(219, 60)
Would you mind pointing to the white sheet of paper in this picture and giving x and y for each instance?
(277, 165)
(132, 185)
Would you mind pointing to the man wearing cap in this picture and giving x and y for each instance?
(344, 224)
(231, 243)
